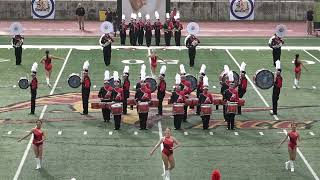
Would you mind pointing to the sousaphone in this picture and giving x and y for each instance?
(16, 28)
(281, 30)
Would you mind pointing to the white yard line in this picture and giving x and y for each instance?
(276, 118)
(89, 47)
(25, 154)
(311, 55)
(4, 60)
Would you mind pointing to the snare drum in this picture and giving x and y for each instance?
(154, 103)
(188, 102)
(178, 108)
(23, 83)
(143, 107)
(217, 101)
(106, 105)
(232, 108)
(131, 101)
(74, 80)
(206, 109)
(116, 109)
(241, 102)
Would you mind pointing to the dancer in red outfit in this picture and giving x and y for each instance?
(38, 138)
(154, 61)
(168, 142)
(46, 60)
(297, 71)
(293, 136)
(215, 175)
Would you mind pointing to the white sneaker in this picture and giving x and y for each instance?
(38, 167)
(294, 87)
(287, 165)
(292, 169)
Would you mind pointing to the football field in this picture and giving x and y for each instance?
(86, 148)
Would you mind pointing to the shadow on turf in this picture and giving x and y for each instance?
(45, 175)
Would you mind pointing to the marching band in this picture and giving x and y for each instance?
(17, 42)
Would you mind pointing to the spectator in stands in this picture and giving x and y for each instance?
(310, 22)
(115, 22)
(109, 15)
(80, 12)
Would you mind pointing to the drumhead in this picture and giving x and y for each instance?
(23, 83)
(152, 82)
(111, 82)
(116, 105)
(193, 81)
(264, 79)
(236, 78)
(74, 80)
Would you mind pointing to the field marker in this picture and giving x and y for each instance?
(9, 132)
(214, 87)
(4, 60)
(185, 133)
(110, 133)
(261, 133)
(25, 154)
(59, 132)
(281, 132)
(236, 133)
(135, 133)
(211, 133)
(311, 55)
(85, 132)
(276, 117)
(311, 133)
(73, 179)
(313, 87)
(258, 49)
(14, 86)
(210, 49)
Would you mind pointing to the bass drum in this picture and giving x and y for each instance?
(23, 83)
(263, 79)
(193, 81)
(152, 83)
(111, 82)
(236, 77)
(74, 80)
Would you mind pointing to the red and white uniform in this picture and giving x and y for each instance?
(187, 86)
(146, 93)
(293, 137)
(47, 63)
(119, 94)
(297, 66)
(34, 84)
(167, 146)
(37, 136)
(235, 95)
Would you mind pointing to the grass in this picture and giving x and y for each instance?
(124, 155)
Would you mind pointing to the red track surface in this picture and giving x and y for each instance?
(230, 28)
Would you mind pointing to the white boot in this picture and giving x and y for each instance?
(168, 175)
(38, 163)
(292, 166)
(287, 164)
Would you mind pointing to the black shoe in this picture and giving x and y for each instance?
(84, 113)
(145, 129)
(116, 128)
(177, 129)
(140, 128)
(273, 114)
(31, 113)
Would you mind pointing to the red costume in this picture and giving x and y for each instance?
(297, 66)
(209, 98)
(37, 136)
(181, 96)
(215, 175)
(167, 146)
(47, 63)
(293, 137)
(187, 86)
(119, 95)
(146, 93)
(154, 61)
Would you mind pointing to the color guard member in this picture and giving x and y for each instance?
(297, 71)
(47, 61)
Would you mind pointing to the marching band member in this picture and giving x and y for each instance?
(105, 95)
(117, 96)
(123, 30)
(138, 84)
(85, 90)
(297, 71)
(157, 28)
(168, 142)
(276, 88)
(133, 29)
(140, 29)
(177, 29)
(126, 88)
(243, 83)
(224, 86)
(275, 42)
(39, 136)
(186, 88)
(178, 96)
(33, 87)
(173, 13)
(162, 85)
(167, 27)
(105, 41)
(17, 42)
(143, 94)
(148, 27)
(205, 98)
(230, 95)
(191, 43)
(47, 61)
(200, 85)
(294, 137)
